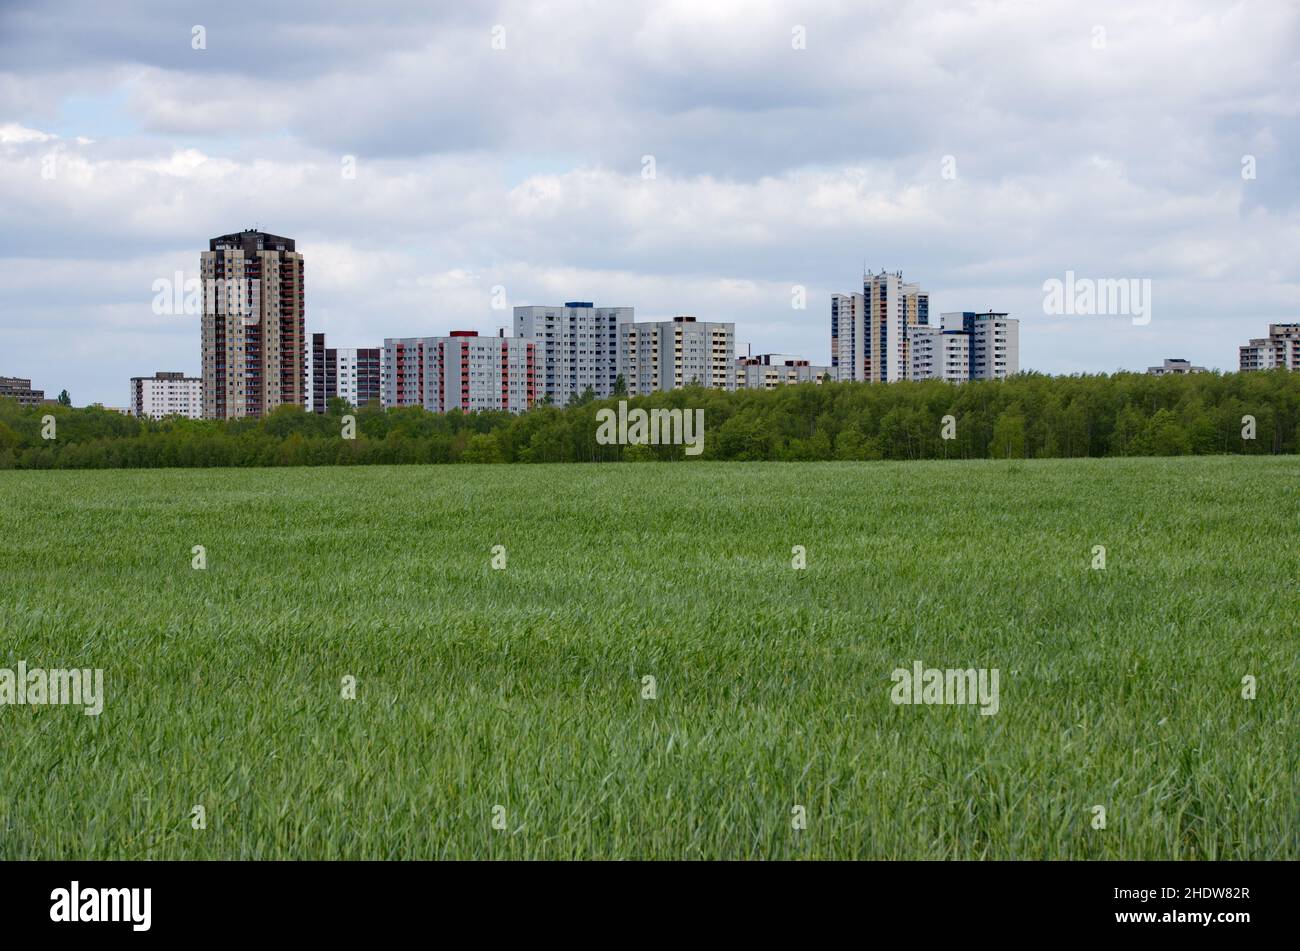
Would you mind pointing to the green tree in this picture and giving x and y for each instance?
(1009, 435)
(1029, 415)
(850, 444)
(1165, 436)
(482, 447)
(582, 399)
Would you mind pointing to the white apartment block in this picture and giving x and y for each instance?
(869, 331)
(994, 342)
(938, 354)
(166, 394)
(1174, 367)
(353, 373)
(1281, 348)
(767, 371)
(848, 337)
(463, 371)
(349, 364)
(670, 354)
(577, 346)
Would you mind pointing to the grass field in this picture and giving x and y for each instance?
(523, 688)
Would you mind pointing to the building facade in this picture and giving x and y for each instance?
(20, 389)
(767, 371)
(994, 342)
(1281, 348)
(254, 335)
(166, 394)
(670, 354)
(869, 332)
(353, 374)
(848, 337)
(577, 347)
(463, 371)
(938, 354)
(1174, 367)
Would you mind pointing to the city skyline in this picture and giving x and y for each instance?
(257, 353)
(722, 163)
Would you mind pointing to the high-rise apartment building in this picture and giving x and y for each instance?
(1281, 348)
(463, 371)
(848, 337)
(670, 354)
(20, 389)
(767, 371)
(869, 332)
(354, 374)
(994, 342)
(938, 354)
(577, 346)
(166, 394)
(254, 335)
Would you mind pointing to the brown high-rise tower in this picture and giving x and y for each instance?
(254, 333)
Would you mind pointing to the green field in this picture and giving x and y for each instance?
(522, 687)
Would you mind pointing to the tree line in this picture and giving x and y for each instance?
(1028, 416)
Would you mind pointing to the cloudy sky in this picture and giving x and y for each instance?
(680, 157)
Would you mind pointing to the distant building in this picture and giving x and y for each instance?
(354, 374)
(463, 371)
(166, 394)
(1281, 348)
(577, 346)
(1174, 366)
(21, 390)
(254, 336)
(994, 342)
(869, 331)
(848, 337)
(938, 354)
(767, 371)
(670, 354)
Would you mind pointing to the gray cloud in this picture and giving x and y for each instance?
(775, 166)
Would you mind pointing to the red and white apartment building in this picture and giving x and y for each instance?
(463, 371)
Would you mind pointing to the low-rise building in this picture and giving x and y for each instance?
(1174, 366)
(21, 390)
(767, 371)
(166, 393)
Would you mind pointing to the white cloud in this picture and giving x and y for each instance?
(775, 167)
(13, 134)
